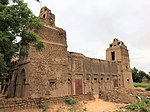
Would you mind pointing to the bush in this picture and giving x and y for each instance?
(147, 101)
(143, 109)
(44, 106)
(71, 101)
(133, 107)
(140, 106)
(147, 88)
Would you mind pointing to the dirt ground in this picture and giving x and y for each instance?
(101, 106)
(97, 105)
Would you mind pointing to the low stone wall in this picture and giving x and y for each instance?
(13, 104)
(127, 96)
(117, 96)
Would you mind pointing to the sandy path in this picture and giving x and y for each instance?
(101, 106)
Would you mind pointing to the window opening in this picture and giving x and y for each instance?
(113, 55)
(52, 82)
(95, 78)
(44, 16)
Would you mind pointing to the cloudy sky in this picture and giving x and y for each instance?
(91, 25)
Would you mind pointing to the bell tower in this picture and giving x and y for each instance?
(44, 72)
(47, 17)
(118, 52)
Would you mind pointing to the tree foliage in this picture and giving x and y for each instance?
(138, 75)
(3, 67)
(16, 20)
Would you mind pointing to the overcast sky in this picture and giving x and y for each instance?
(91, 25)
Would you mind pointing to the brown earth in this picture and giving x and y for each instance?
(97, 105)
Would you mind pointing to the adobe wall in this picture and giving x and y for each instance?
(96, 74)
(15, 104)
(49, 67)
(145, 80)
(45, 71)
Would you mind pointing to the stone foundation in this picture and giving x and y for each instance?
(13, 104)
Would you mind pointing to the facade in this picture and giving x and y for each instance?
(56, 72)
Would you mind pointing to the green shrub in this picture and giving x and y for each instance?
(44, 106)
(147, 101)
(71, 101)
(133, 107)
(141, 105)
(143, 109)
(147, 88)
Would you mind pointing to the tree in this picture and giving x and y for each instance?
(3, 67)
(135, 75)
(148, 76)
(16, 20)
(138, 75)
(141, 75)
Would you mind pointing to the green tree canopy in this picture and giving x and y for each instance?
(148, 76)
(138, 75)
(16, 20)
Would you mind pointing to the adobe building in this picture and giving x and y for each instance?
(145, 80)
(57, 72)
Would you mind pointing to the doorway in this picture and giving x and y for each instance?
(78, 87)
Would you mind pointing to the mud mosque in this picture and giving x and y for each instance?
(57, 72)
